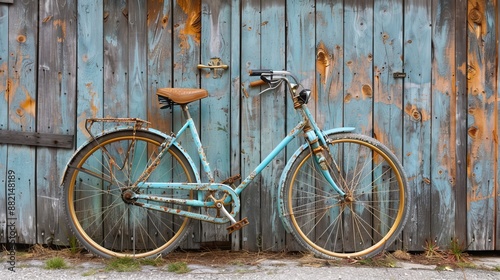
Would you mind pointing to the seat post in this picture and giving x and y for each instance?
(185, 111)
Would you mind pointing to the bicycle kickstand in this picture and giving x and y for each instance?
(234, 224)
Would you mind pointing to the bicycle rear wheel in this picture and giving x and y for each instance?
(364, 222)
(98, 212)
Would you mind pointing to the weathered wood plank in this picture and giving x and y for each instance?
(116, 59)
(443, 124)
(90, 59)
(90, 74)
(250, 123)
(329, 63)
(273, 125)
(4, 114)
(482, 125)
(235, 105)
(301, 60)
(22, 112)
(358, 77)
(417, 106)
(56, 114)
(496, 90)
(215, 110)
(137, 61)
(461, 119)
(387, 90)
(185, 57)
(159, 26)
(61, 141)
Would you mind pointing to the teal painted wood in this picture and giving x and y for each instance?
(159, 70)
(417, 105)
(329, 63)
(358, 65)
(387, 90)
(215, 110)
(22, 71)
(234, 69)
(185, 58)
(90, 59)
(116, 59)
(301, 60)
(358, 75)
(137, 61)
(497, 196)
(90, 76)
(250, 122)
(482, 126)
(273, 124)
(56, 114)
(443, 124)
(4, 116)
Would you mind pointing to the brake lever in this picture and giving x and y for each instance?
(272, 86)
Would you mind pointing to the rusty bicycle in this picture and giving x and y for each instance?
(131, 191)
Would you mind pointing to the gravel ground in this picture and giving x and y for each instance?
(287, 269)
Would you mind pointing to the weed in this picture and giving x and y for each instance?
(123, 265)
(152, 262)
(74, 247)
(456, 250)
(432, 250)
(56, 263)
(178, 267)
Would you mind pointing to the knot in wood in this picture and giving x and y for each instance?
(476, 16)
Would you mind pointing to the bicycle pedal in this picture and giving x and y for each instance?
(237, 226)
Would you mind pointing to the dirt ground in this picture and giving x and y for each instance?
(31, 263)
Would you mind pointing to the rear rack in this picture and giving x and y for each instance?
(135, 122)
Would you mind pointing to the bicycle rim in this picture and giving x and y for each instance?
(364, 222)
(106, 223)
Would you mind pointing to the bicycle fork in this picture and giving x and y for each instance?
(318, 152)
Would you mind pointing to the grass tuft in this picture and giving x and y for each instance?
(178, 267)
(123, 265)
(56, 263)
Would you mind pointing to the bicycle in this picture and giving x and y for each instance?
(132, 191)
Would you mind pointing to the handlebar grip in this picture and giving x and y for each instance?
(257, 83)
(258, 72)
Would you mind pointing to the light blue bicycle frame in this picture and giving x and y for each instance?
(313, 136)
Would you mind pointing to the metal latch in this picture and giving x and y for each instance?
(398, 75)
(216, 65)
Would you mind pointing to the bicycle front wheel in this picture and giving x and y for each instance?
(363, 222)
(95, 188)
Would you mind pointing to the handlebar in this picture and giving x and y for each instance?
(276, 78)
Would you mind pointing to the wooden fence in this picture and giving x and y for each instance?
(419, 75)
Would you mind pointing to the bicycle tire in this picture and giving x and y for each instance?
(103, 221)
(331, 226)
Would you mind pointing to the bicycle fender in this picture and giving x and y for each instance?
(152, 130)
(281, 206)
(339, 130)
